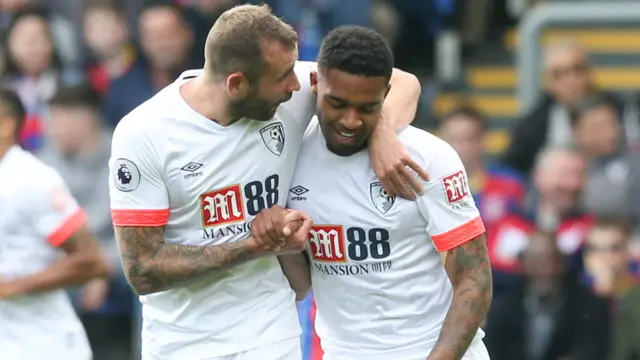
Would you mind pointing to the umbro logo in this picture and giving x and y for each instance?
(192, 169)
(298, 190)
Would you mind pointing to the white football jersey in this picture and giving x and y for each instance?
(380, 286)
(172, 166)
(38, 215)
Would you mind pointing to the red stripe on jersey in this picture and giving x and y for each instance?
(460, 235)
(72, 224)
(140, 217)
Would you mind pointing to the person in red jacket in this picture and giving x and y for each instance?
(553, 206)
(107, 36)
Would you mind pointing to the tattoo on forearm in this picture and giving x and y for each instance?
(152, 266)
(470, 273)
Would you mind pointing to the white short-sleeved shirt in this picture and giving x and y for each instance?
(38, 215)
(380, 286)
(205, 182)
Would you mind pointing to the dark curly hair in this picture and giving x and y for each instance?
(356, 50)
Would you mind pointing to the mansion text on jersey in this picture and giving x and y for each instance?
(235, 229)
(353, 269)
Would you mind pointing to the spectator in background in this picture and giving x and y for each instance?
(200, 15)
(334, 13)
(496, 189)
(420, 22)
(607, 259)
(552, 206)
(107, 36)
(569, 79)
(613, 178)
(167, 42)
(80, 151)
(62, 30)
(548, 314)
(33, 70)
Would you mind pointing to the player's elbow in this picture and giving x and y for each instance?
(140, 278)
(139, 286)
(140, 290)
(409, 82)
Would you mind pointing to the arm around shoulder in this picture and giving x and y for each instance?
(401, 104)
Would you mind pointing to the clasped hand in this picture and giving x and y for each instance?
(280, 230)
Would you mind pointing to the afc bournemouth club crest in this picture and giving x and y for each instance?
(381, 200)
(273, 137)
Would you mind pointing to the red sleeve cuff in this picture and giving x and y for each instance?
(140, 217)
(459, 235)
(68, 228)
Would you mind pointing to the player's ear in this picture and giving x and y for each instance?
(313, 80)
(237, 85)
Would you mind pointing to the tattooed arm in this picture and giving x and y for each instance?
(470, 274)
(151, 265)
(296, 268)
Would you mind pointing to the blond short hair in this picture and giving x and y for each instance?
(235, 41)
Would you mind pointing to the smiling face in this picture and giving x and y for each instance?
(348, 107)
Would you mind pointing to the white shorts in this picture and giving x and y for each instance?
(284, 350)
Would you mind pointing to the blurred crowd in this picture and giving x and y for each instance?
(561, 206)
